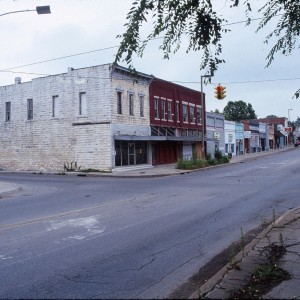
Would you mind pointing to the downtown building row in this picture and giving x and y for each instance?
(103, 118)
(247, 136)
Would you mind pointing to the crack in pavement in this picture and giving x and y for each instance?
(167, 274)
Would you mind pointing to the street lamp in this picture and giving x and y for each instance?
(41, 10)
(203, 113)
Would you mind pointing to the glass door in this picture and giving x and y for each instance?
(131, 153)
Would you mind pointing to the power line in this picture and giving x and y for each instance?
(242, 82)
(58, 58)
(174, 81)
(107, 48)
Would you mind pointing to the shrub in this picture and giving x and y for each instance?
(195, 163)
(218, 155)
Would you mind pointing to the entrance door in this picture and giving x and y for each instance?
(131, 153)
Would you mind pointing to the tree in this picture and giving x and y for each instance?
(201, 24)
(271, 117)
(239, 110)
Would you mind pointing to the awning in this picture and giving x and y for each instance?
(156, 138)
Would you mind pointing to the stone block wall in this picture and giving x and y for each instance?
(50, 142)
(47, 142)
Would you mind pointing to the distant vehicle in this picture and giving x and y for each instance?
(296, 141)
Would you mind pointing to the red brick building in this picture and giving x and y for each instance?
(177, 120)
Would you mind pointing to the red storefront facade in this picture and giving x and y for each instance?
(177, 119)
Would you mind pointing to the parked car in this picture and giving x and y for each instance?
(297, 141)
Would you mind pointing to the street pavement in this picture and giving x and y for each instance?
(285, 231)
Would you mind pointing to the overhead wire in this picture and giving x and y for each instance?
(106, 48)
(112, 47)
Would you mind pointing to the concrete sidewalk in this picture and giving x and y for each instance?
(171, 169)
(284, 232)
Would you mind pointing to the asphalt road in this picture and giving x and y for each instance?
(87, 237)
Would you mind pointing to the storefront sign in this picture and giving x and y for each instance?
(247, 134)
(217, 135)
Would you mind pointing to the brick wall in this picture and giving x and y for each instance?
(49, 143)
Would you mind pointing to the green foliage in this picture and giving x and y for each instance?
(268, 272)
(271, 116)
(174, 19)
(195, 163)
(239, 110)
(218, 155)
(202, 26)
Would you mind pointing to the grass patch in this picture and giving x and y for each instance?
(264, 277)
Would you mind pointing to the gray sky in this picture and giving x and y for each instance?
(79, 26)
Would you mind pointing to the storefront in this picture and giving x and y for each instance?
(130, 153)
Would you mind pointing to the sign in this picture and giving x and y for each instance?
(289, 129)
(247, 134)
(217, 135)
(279, 127)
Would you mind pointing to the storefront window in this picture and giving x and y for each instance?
(130, 153)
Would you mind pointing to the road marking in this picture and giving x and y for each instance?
(3, 257)
(90, 224)
(32, 221)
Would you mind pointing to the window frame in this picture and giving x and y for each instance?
(185, 112)
(199, 115)
(131, 104)
(177, 111)
(30, 109)
(82, 104)
(192, 113)
(119, 102)
(55, 111)
(142, 105)
(7, 111)
(156, 111)
(163, 108)
(169, 110)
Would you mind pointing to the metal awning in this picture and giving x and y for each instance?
(156, 138)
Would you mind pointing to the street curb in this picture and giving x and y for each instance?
(209, 285)
(12, 191)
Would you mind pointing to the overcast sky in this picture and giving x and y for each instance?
(82, 26)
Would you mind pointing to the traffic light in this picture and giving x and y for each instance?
(220, 92)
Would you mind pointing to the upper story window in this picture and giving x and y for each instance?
(55, 106)
(7, 111)
(156, 114)
(163, 109)
(131, 111)
(29, 109)
(210, 121)
(119, 102)
(199, 115)
(185, 113)
(220, 123)
(192, 114)
(169, 110)
(177, 112)
(82, 104)
(142, 101)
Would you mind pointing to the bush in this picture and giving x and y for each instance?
(195, 163)
(191, 164)
(218, 155)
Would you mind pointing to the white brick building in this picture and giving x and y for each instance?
(95, 117)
